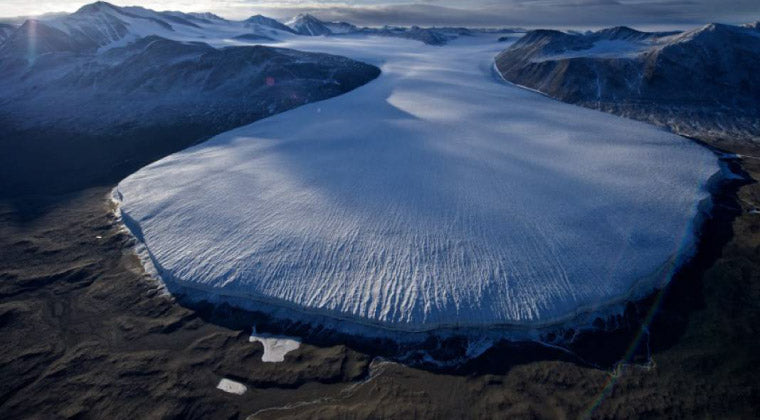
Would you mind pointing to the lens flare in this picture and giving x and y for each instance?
(643, 330)
(32, 44)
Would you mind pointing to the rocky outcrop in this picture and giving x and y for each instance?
(704, 82)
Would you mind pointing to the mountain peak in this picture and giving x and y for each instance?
(260, 18)
(206, 15)
(306, 24)
(97, 7)
(267, 22)
(306, 16)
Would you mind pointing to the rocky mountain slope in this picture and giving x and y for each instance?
(341, 27)
(164, 73)
(6, 29)
(704, 82)
(101, 24)
(259, 21)
(67, 99)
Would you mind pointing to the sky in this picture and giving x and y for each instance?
(524, 13)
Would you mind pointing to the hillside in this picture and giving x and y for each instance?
(704, 82)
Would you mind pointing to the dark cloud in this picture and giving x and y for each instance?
(533, 13)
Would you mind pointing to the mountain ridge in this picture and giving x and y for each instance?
(702, 82)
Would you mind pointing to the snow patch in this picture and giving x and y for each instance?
(232, 387)
(275, 346)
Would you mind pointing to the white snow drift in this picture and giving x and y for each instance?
(275, 346)
(232, 387)
(435, 196)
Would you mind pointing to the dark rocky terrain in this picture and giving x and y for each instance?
(86, 334)
(700, 83)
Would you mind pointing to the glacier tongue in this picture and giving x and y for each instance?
(435, 196)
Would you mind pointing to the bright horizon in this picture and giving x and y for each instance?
(479, 13)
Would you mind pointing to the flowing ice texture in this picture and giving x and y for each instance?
(433, 196)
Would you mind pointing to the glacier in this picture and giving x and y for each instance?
(436, 196)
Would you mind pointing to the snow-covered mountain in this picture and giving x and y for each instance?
(306, 24)
(35, 38)
(262, 28)
(259, 21)
(753, 25)
(73, 84)
(102, 25)
(430, 36)
(205, 17)
(337, 28)
(703, 82)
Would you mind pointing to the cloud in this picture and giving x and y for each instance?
(534, 13)
(524, 13)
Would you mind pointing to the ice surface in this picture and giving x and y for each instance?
(435, 196)
(275, 346)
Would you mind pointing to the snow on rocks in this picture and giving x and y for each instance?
(435, 196)
(232, 387)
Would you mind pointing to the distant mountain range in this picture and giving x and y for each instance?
(703, 83)
(95, 94)
(308, 25)
(102, 25)
(259, 21)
